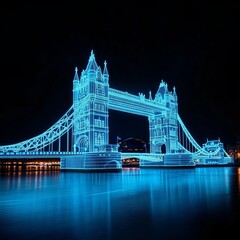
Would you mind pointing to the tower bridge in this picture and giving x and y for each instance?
(81, 137)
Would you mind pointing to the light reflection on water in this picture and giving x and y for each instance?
(132, 204)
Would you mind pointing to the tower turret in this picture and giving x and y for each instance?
(175, 94)
(75, 85)
(105, 73)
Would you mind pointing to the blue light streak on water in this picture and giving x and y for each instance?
(132, 204)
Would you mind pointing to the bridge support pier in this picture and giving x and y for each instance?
(179, 160)
(97, 161)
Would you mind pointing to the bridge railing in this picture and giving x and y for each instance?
(38, 143)
(140, 99)
(188, 143)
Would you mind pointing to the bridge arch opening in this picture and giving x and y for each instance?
(132, 145)
(163, 148)
(131, 162)
(123, 126)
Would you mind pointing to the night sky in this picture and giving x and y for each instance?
(192, 46)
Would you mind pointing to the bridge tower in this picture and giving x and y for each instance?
(90, 103)
(163, 126)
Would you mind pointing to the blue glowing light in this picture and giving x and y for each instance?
(86, 126)
(92, 98)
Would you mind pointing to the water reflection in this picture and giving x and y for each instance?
(19, 168)
(132, 204)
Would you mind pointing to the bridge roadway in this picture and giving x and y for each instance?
(54, 155)
(139, 105)
(36, 155)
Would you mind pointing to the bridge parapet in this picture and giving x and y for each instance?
(126, 102)
(141, 97)
(33, 154)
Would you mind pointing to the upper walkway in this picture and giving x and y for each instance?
(139, 105)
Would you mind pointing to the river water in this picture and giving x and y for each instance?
(190, 203)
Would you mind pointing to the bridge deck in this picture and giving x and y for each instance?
(126, 102)
(61, 154)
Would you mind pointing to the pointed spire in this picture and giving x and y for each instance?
(166, 88)
(92, 56)
(76, 78)
(174, 91)
(161, 89)
(92, 65)
(105, 71)
(150, 95)
(162, 83)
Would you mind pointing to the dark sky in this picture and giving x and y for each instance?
(192, 46)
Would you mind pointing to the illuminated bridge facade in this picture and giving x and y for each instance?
(81, 137)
